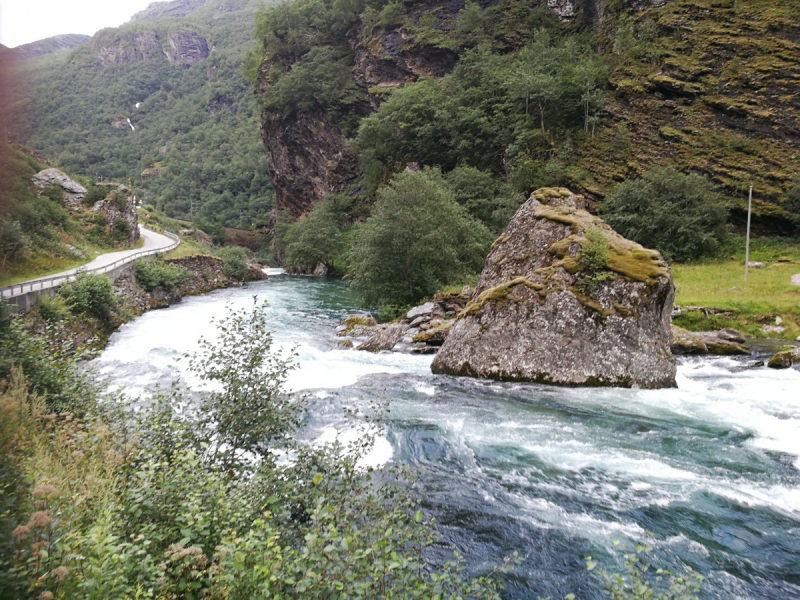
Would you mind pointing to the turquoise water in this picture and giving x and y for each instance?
(710, 468)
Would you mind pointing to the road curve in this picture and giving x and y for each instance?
(152, 241)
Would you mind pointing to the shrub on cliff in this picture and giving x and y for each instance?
(682, 216)
(156, 274)
(417, 240)
(234, 262)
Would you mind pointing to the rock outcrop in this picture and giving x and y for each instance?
(725, 342)
(74, 192)
(182, 48)
(544, 312)
(119, 205)
(785, 359)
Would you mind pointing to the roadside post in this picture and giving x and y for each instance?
(747, 242)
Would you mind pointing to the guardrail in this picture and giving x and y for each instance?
(18, 289)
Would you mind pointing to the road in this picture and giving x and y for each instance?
(153, 242)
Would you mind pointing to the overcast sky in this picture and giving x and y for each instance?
(23, 21)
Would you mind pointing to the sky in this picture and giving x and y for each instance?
(24, 21)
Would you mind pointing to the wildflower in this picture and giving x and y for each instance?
(41, 518)
(20, 532)
(48, 491)
(60, 573)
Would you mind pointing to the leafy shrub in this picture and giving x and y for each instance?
(417, 240)
(54, 192)
(642, 580)
(234, 262)
(120, 200)
(121, 229)
(94, 194)
(214, 230)
(594, 259)
(51, 309)
(156, 274)
(680, 215)
(12, 241)
(48, 363)
(90, 294)
(97, 234)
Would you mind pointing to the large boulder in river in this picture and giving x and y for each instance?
(564, 299)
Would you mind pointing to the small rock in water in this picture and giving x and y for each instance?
(758, 364)
(344, 344)
(731, 335)
(785, 359)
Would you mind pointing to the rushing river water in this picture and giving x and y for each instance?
(711, 469)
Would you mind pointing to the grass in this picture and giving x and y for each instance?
(45, 264)
(765, 295)
(158, 221)
(188, 247)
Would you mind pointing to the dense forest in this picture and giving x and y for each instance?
(161, 101)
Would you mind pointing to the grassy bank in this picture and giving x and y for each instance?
(45, 265)
(765, 295)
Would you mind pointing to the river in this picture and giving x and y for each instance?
(711, 469)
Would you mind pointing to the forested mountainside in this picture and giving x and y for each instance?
(506, 96)
(162, 101)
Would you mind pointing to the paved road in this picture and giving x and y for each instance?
(152, 241)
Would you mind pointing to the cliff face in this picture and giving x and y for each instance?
(709, 87)
(181, 48)
(306, 150)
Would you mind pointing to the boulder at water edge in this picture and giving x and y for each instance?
(544, 311)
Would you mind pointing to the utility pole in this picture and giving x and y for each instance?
(747, 242)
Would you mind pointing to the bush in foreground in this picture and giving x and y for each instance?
(166, 502)
(682, 216)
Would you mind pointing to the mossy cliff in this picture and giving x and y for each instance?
(710, 87)
(564, 299)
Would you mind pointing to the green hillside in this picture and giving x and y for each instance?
(176, 71)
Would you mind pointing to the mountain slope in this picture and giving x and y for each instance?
(163, 102)
(707, 86)
(51, 45)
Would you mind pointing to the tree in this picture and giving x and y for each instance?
(313, 239)
(680, 215)
(417, 239)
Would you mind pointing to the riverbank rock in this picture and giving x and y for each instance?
(785, 359)
(543, 311)
(684, 342)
